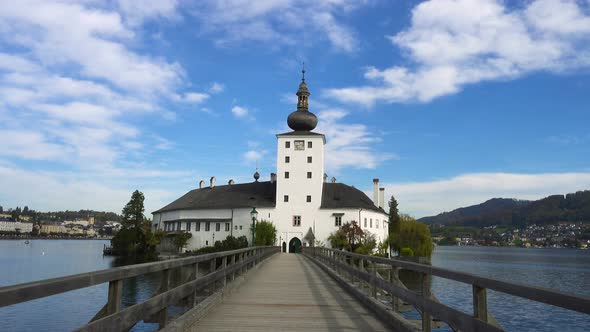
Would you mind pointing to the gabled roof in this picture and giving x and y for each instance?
(339, 195)
(263, 194)
(258, 194)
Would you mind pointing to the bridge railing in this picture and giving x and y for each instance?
(350, 267)
(221, 266)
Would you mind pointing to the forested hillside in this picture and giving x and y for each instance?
(504, 211)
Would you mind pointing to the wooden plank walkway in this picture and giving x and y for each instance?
(289, 293)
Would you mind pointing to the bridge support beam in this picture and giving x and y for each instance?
(480, 303)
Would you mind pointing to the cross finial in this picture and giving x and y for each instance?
(303, 72)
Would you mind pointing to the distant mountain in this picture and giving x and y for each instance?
(507, 211)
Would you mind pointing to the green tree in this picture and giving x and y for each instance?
(135, 237)
(265, 234)
(367, 244)
(181, 240)
(394, 219)
(338, 239)
(414, 235)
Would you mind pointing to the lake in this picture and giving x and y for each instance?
(567, 270)
(562, 269)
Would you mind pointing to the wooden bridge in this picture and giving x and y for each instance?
(260, 288)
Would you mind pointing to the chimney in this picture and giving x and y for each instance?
(212, 181)
(382, 198)
(231, 181)
(376, 192)
(325, 178)
(201, 184)
(333, 180)
(273, 177)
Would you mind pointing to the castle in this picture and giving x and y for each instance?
(299, 199)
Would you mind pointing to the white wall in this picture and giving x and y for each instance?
(239, 221)
(298, 186)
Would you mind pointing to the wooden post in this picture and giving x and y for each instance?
(193, 297)
(223, 267)
(232, 262)
(374, 280)
(114, 299)
(362, 269)
(242, 263)
(393, 279)
(165, 284)
(480, 303)
(212, 268)
(426, 319)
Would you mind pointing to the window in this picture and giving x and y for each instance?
(286, 175)
(371, 223)
(308, 199)
(240, 227)
(365, 222)
(286, 198)
(178, 226)
(377, 224)
(207, 242)
(309, 144)
(309, 159)
(236, 227)
(227, 227)
(198, 226)
(338, 221)
(287, 144)
(207, 226)
(309, 175)
(188, 226)
(217, 227)
(287, 159)
(296, 221)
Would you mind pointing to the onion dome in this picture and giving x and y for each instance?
(302, 119)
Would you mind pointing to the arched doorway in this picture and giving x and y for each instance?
(295, 245)
(284, 246)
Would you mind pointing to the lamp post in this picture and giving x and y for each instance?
(254, 215)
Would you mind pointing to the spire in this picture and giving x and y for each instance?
(303, 73)
(256, 174)
(302, 119)
(302, 93)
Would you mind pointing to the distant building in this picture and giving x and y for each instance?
(52, 228)
(299, 199)
(12, 226)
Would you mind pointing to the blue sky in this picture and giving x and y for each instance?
(449, 103)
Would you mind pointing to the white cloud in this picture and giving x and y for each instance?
(349, 145)
(30, 145)
(216, 88)
(454, 43)
(193, 97)
(278, 22)
(137, 11)
(63, 33)
(240, 112)
(254, 155)
(48, 191)
(433, 197)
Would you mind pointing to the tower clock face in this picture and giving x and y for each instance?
(299, 145)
